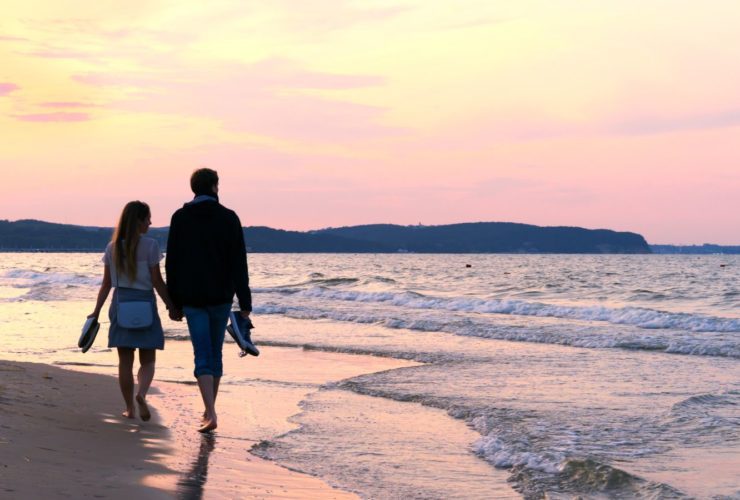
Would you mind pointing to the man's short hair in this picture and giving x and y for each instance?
(203, 180)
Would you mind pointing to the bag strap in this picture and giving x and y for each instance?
(114, 274)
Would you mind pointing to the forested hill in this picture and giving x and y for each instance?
(479, 237)
(494, 237)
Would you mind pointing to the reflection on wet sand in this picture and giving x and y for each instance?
(190, 485)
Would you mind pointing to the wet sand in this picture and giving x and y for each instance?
(61, 433)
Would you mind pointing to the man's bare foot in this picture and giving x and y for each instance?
(130, 413)
(143, 408)
(208, 425)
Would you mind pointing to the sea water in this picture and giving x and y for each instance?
(594, 375)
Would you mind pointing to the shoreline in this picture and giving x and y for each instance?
(63, 424)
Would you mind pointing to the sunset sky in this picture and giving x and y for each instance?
(602, 114)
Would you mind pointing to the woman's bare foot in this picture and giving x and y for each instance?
(130, 413)
(143, 408)
(208, 425)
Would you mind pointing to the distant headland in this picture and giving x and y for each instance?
(473, 237)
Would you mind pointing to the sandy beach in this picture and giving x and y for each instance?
(62, 436)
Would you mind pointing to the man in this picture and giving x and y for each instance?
(206, 264)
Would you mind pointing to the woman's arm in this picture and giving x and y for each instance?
(105, 287)
(161, 289)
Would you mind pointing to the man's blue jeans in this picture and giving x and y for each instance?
(207, 327)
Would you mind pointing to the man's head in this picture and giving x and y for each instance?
(204, 181)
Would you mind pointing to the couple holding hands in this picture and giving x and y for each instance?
(206, 265)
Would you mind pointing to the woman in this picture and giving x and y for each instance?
(132, 268)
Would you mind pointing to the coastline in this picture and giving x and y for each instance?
(519, 398)
(64, 425)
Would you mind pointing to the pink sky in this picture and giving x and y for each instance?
(619, 115)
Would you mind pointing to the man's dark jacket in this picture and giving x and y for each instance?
(206, 257)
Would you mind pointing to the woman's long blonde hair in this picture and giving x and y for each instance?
(126, 237)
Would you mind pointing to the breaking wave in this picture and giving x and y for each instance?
(636, 316)
(674, 342)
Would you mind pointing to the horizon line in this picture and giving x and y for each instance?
(406, 225)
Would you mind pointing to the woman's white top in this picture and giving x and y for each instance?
(148, 255)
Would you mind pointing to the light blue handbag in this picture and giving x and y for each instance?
(134, 315)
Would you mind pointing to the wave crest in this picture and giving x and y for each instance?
(636, 316)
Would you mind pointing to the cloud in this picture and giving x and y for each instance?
(54, 117)
(267, 74)
(322, 16)
(4, 38)
(266, 98)
(7, 88)
(67, 105)
(662, 124)
(59, 53)
(140, 81)
(93, 40)
(95, 32)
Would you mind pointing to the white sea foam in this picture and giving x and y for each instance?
(636, 316)
(501, 454)
(625, 337)
(33, 285)
(26, 278)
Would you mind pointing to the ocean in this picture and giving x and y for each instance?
(614, 376)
